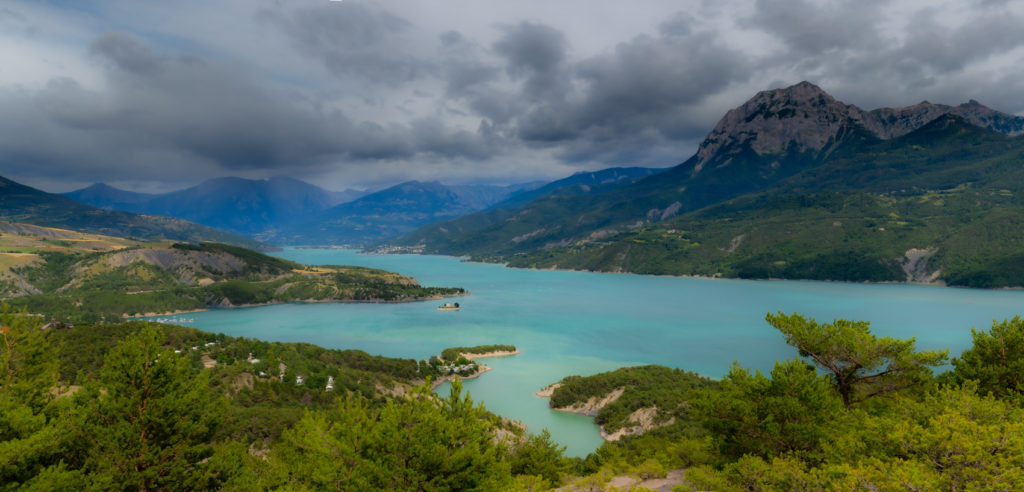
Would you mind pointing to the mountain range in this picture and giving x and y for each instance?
(289, 211)
(241, 206)
(20, 203)
(786, 185)
(391, 212)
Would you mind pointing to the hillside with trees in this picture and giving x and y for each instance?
(146, 406)
(792, 184)
(95, 277)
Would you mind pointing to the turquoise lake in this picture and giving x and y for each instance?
(583, 323)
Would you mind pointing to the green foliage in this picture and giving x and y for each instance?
(658, 387)
(952, 439)
(861, 364)
(151, 418)
(537, 455)
(424, 443)
(82, 350)
(452, 353)
(32, 433)
(27, 367)
(996, 359)
(254, 260)
(789, 413)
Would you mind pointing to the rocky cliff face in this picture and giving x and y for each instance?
(772, 121)
(804, 118)
(893, 122)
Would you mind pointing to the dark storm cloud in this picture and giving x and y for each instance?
(617, 106)
(197, 117)
(353, 40)
(386, 90)
(536, 53)
(851, 49)
(819, 27)
(128, 54)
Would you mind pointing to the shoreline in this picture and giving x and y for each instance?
(939, 283)
(168, 313)
(481, 369)
(295, 301)
(498, 353)
(547, 391)
(469, 259)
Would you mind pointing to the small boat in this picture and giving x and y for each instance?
(448, 307)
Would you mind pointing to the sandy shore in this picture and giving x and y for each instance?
(548, 390)
(500, 353)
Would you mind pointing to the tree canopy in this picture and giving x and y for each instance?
(996, 359)
(862, 365)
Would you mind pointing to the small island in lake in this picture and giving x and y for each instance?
(449, 307)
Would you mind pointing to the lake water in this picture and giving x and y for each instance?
(583, 323)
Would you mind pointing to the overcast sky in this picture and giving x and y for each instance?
(154, 96)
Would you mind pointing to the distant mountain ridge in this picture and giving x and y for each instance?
(798, 141)
(392, 212)
(584, 181)
(102, 195)
(20, 203)
(290, 211)
(242, 206)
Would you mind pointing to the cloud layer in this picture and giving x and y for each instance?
(368, 93)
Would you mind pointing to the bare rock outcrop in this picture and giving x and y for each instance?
(804, 118)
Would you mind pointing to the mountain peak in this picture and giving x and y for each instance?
(773, 120)
(804, 118)
(803, 91)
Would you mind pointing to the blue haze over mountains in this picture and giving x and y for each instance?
(283, 210)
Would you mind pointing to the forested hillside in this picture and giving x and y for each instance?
(792, 184)
(941, 204)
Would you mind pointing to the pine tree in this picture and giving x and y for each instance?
(34, 433)
(995, 359)
(862, 365)
(152, 418)
(420, 443)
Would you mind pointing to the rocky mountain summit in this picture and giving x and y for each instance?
(805, 118)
